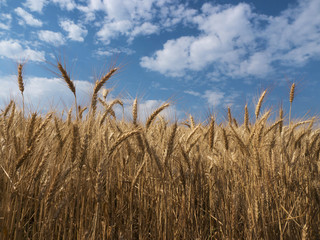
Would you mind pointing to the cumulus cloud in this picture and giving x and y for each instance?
(76, 32)
(35, 5)
(54, 38)
(5, 21)
(13, 49)
(173, 59)
(27, 18)
(236, 42)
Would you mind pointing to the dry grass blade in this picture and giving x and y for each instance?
(155, 113)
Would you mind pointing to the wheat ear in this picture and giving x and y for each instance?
(291, 99)
(154, 114)
(246, 117)
(211, 133)
(229, 116)
(99, 84)
(21, 84)
(70, 84)
(135, 111)
(258, 107)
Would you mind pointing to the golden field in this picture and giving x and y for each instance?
(92, 176)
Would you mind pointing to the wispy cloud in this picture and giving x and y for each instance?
(5, 21)
(54, 38)
(27, 18)
(237, 42)
(76, 32)
(13, 49)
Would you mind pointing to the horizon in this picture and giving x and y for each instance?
(202, 56)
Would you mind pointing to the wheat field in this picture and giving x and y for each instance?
(93, 176)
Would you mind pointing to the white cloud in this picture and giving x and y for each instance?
(114, 51)
(13, 49)
(54, 38)
(193, 93)
(146, 28)
(5, 21)
(66, 4)
(133, 18)
(76, 32)
(27, 18)
(173, 59)
(35, 5)
(44, 93)
(236, 42)
(113, 29)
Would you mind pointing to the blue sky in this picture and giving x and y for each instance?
(203, 55)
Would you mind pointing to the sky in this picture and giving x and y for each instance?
(202, 56)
